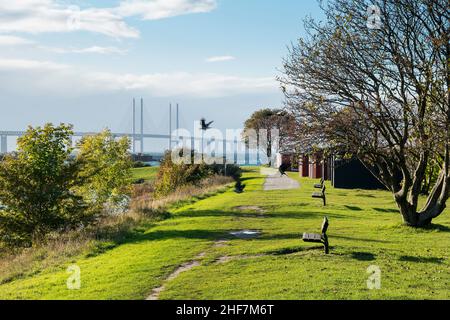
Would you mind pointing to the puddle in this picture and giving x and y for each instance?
(249, 208)
(246, 234)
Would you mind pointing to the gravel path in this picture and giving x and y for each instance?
(277, 182)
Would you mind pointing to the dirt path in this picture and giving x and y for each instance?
(183, 268)
(278, 182)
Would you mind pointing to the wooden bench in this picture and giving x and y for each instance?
(321, 195)
(320, 185)
(319, 238)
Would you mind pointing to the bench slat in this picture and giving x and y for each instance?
(312, 237)
(317, 195)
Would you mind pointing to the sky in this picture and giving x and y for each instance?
(82, 62)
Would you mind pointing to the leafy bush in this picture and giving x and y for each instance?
(44, 188)
(36, 186)
(140, 164)
(230, 170)
(105, 169)
(172, 175)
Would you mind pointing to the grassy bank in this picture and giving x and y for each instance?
(365, 230)
(148, 174)
(110, 231)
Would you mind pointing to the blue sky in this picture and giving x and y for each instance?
(82, 62)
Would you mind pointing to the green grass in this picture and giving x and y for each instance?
(365, 229)
(147, 173)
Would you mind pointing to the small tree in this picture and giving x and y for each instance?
(264, 126)
(44, 187)
(36, 186)
(105, 165)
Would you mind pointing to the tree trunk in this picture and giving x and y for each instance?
(435, 205)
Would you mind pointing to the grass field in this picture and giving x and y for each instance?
(365, 229)
(146, 173)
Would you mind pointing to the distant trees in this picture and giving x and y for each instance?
(373, 80)
(264, 126)
(44, 187)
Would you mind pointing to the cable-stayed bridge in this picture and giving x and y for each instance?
(235, 150)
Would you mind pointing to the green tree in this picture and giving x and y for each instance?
(105, 165)
(36, 186)
(269, 129)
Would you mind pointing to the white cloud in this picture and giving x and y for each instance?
(93, 49)
(13, 41)
(38, 16)
(159, 9)
(184, 84)
(22, 64)
(220, 59)
(36, 77)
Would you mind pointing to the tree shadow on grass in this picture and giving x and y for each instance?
(353, 208)
(358, 239)
(421, 259)
(187, 234)
(286, 251)
(437, 227)
(386, 210)
(249, 178)
(365, 195)
(210, 235)
(266, 215)
(363, 256)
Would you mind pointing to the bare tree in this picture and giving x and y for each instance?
(373, 81)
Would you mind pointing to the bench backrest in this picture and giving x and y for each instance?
(325, 225)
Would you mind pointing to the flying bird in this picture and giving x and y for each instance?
(205, 126)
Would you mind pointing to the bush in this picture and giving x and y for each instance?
(36, 186)
(172, 176)
(105, 170)
(44, 188)
(231, 170)
(140, 164)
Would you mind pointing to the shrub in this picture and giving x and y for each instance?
(44, 188)
(230, 170)
(172, 176)
(105, 170)
(140, 164)
(36, 186)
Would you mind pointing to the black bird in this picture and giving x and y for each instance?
(205, 126)
(239, 187)
(282, 169)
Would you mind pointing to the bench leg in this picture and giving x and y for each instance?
(326, 244)
(324, 201)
